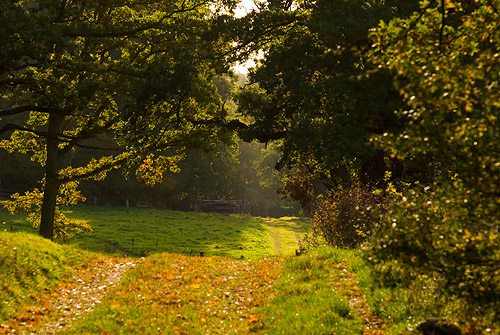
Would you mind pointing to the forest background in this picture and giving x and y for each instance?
(241, 171)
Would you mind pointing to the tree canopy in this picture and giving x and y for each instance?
(312, 89)
(446, 64)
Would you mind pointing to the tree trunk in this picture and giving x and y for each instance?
(52, 183)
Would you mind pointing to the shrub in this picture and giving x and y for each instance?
(442, 233)
(346, 217)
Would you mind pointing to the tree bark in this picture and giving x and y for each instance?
(52, 183)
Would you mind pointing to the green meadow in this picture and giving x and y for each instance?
(141, 231)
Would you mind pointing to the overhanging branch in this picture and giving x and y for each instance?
(60, 137)
(112, 165)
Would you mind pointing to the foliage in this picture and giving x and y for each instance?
(30, 265)
(259, 180)
(151, 170)
(430, 235)
(63, 226)
(241, 171)
(299, 185)
(445, 59)
(347, 217)
(121, 77)
(311, 90)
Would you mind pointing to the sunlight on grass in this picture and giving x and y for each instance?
(286, 232)
(140, 232)
(308, 301)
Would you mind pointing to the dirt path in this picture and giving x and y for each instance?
(55, 311)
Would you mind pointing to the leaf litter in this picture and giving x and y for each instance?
(176, 294)
(56, 310)
(171, 294)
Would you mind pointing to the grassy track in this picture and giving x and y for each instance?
(175, 294)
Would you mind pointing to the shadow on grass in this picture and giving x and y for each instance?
(15, 223)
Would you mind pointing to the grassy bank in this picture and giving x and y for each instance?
(30, 264)
(332, 291)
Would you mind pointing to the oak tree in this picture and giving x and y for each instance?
(315, 90)
(128, 80)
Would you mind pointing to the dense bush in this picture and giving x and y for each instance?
(447, 71)
(346, 217)
(440, 234)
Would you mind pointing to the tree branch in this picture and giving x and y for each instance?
(115, 164)
(60, 137)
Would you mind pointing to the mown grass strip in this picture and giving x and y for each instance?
(286, 232)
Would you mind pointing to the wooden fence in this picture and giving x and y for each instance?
(226, 206)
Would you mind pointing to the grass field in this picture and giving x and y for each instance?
(140, 232)
(249, 282)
